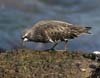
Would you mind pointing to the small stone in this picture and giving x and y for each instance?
(83, 70)
(96, 52)
(93, 66)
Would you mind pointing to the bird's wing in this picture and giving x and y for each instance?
(57, 32)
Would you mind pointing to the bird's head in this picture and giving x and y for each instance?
(26, 36)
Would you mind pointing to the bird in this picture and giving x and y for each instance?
(53, 31)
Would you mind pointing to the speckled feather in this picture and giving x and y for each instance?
(52, 31)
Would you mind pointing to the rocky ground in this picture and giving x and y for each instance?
(25, 63)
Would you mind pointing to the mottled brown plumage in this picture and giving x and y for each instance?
(53, 31)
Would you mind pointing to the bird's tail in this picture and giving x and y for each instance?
(83, 30)
(87, 30)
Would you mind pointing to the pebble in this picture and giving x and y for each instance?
(83, 70)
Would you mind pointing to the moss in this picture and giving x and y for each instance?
(25, 63)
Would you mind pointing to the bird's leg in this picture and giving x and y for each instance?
(52, 48)
(23, 44)
(65, 47)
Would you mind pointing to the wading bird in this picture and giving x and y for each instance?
(54, 32)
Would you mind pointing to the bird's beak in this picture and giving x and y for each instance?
(24, 41)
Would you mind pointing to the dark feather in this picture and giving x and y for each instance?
(88, 28)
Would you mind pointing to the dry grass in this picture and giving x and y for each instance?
(24, 63)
